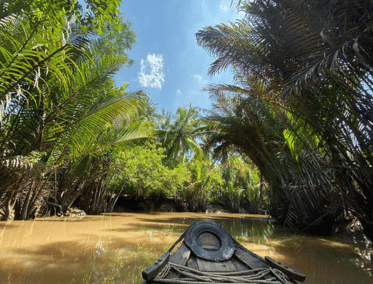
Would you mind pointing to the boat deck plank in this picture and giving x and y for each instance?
(208, 266)
(192, 263)
(180, 256)
(238, 264)
(253, 261)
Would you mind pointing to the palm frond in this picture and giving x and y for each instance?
(88, 134)
(28, 54)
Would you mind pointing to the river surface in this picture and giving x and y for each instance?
(116, 247)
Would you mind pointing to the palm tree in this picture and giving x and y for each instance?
(241, 185)
(30, 56)
(179, 135)
(59, 105)
(313, 59)
(250, 128)
(301, 187)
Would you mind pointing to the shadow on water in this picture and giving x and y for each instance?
(326, 261)
(115, 248)
(236, 226)
(58, 261)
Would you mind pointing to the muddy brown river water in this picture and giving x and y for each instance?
(115, 248)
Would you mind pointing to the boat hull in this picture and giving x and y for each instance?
(209, 252)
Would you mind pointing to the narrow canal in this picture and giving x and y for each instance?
(115, 248)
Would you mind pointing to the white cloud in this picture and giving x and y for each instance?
(225, 8)
(198, 77)
(151, 71)
(178, 92)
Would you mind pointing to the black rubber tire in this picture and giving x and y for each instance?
(227, 247)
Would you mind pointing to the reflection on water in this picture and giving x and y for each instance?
(115, 248)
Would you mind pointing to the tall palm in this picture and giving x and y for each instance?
(179, 135)
(31, 55)
(58, 98)
(314, 58)
(329, 86)
(301, 188)
(251, 128)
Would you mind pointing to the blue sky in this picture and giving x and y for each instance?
(169, 65)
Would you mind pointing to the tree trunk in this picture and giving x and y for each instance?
(70, 197)
(114, 200)
(9, 208)
(26, 203)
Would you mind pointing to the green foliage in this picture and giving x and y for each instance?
(299, 135)
(206, 178)
(141, 172)
(92, 16)
(72, 73)
(178, 135)
(58, 98)
(312, 59)
(241, 184)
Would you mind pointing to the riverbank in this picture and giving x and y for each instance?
(348, 230)
(128, 203)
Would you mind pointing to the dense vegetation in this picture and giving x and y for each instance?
(70, 137)
(293, 133)
(301, 105)
(61, 115)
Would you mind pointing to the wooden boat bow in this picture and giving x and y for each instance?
(209, 254)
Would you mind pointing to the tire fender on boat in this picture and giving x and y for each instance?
(227, 245)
